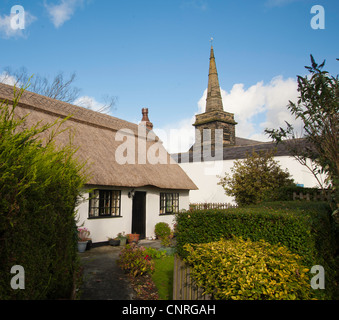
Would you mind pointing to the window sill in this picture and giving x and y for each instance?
(167, 214)
(104, 217)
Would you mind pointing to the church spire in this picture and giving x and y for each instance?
(213, 100)
(214, 118)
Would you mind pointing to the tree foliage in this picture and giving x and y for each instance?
(253, 177)
(318, 108)
(60, 88)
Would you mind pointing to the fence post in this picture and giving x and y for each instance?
(183, 285)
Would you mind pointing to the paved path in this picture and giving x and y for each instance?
(102, 278)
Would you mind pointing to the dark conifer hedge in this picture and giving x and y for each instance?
(39, 187)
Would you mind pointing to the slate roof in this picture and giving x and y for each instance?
(235, 152)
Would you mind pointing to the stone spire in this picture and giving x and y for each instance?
(214, 118)
(213, 100)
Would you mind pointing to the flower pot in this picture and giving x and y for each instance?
(123, 241)
(114, 242)
(133, 237)
(82, 246)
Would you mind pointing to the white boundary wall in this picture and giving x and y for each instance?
(205, 176)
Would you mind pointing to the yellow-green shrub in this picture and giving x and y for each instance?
(243, 270)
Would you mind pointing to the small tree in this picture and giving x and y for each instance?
(253, 177)
(318, 108)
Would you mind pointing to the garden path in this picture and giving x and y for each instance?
(102, 277)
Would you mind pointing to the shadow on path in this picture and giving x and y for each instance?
(102, 277)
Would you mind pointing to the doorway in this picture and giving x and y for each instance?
(139, 214)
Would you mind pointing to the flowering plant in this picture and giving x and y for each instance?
(121, 235)
(135, 260)
(83, 234)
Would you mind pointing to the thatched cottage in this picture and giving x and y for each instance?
(134, 182)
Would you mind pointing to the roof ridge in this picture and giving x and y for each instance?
(45, 104)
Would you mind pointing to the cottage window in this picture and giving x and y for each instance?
(169, 203)
(104, 203)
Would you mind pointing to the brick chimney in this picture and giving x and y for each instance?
(145, 120)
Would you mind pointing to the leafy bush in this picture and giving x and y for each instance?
(238, 270)
(304, 228)
(252, 178)
(163, 232)
(135, 260)
(39, 189)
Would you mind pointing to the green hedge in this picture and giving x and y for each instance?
(39, 186)
(304, 228)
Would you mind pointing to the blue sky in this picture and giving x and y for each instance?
(155, 53)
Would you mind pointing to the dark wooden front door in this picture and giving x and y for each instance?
(139, 214)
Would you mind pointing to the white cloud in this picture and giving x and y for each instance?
(6, 29)
(279, 3)
(7, 79)
(90, 103)
(256, 108)
(195, 4)
(62, 12)
(267, 102)
(178, 137)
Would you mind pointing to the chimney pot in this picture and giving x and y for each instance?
(145, 119)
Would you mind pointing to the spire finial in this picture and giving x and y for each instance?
(211, 40)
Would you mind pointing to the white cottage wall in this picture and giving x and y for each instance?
(153, 209)
(102, 228)
(205, 176)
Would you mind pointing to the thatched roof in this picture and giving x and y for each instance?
(95, 135)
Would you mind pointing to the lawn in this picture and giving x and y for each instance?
(163, 277)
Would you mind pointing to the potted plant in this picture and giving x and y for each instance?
(113, 241)
(122, 237)
(133, 237)
(83, 237)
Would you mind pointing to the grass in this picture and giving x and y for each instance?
(163, 277)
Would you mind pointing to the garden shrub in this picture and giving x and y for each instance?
(245, 270)
(135, 260)
(304, 228)
(163, 232)
(255, 176)
(39, 189)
